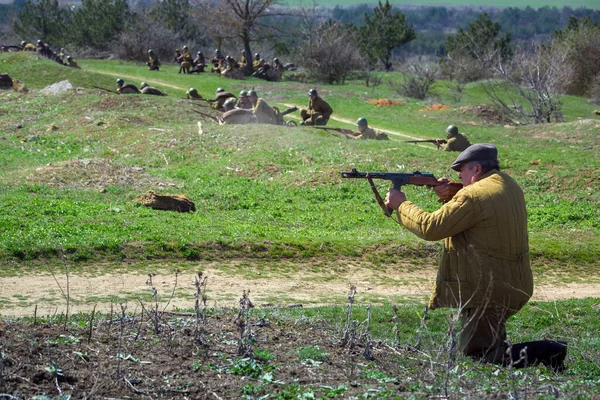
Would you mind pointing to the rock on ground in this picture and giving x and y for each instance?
(58, 87)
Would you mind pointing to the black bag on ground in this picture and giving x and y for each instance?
(551, 353)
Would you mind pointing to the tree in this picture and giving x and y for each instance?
(96, 23)
(240, 19)
(41, 19)
(480, 37)
(581, 38)
(383, 32)
(470, 53)
(175, 15)
(531, 83)
(331, 54)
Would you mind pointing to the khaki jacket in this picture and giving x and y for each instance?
(370, 133)
(485, 259)
(264, 113)
(318, 105)
(457, 143)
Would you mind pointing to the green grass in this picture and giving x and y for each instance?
(263, 192)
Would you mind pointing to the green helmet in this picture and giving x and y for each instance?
(362, 121)
(276, 59)
(23, 43)
(452, 130)
(192, 92)
(69, 58)
(217, 51)
(219, 90)
(256, 55)
(185, 47)
(120, 82)
(200, 53)
(150, 51)
(229, 105)
(252, 92)
(143, 85)
(312, 91)
(243, 93)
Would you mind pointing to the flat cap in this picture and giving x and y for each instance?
(476, 152)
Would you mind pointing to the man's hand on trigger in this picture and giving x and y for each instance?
(394, 198)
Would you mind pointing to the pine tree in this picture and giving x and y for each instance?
(383, 32)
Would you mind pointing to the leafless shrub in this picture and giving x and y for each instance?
(154, 315)
(246, 336)
(121, 331)
(200, 295)
(330, 55)
(463, 69)
(66, 294)
(348, 331)
(530, 85)
(144, 34)
(419, 76)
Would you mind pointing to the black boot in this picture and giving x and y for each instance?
(551, 353)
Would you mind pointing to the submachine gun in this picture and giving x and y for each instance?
(400, 179)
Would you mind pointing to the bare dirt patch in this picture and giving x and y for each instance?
(91, 173)
(490, 114)
(384, 102)
(436, 107)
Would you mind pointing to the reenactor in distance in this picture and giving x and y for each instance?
(243, 60)
(42, 49)
(265, 114)
(62, 55)
(199, 63)
(318, 111)
(153, 63)
(256, 61)
(126, 88)
(27, 46)
(264, 71)
(218, 57)
(192, 94)
(185, 61)
(145, 89)
(221, 96)
(177, 57)
(368, 133)
(278, 68)
(244, 101)
(71, 63)
(455, 141)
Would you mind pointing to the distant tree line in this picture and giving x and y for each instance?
(435, 23)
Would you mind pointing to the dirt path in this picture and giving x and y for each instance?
(335, 118)
(20, 295)
(347, 121)
(135, 78)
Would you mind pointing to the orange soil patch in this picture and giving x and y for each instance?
(384, 102)
(436, 107)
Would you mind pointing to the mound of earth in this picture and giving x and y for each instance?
(436, 107)
(91, 173)
(172, 202)
(488, 113)
(384, 102)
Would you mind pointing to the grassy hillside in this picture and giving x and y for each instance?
(72, 163)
